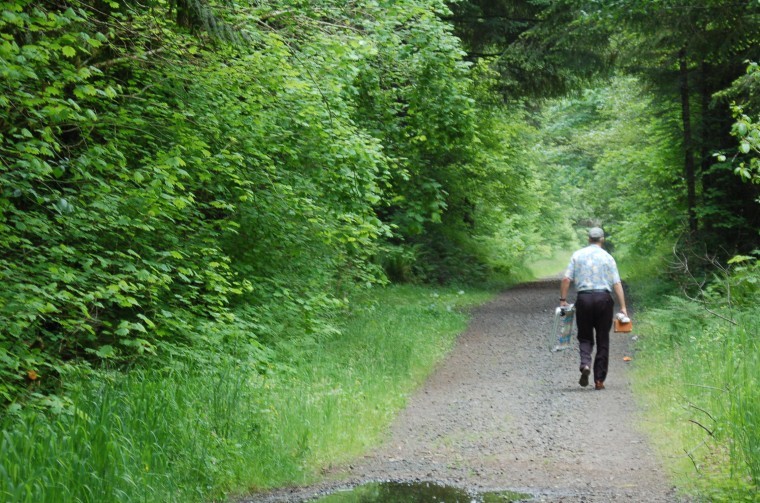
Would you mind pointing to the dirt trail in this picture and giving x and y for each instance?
(504, 413)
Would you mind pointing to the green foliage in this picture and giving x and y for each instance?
(455, 185)
(691, 53)
(413, 97)
(746, 130)
(191, 191)
(539, 48)
(704, 358)
(161, 167)
(239, 422)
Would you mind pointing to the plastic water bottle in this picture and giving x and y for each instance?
(563, 327)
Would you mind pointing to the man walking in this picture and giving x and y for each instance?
(595, 275)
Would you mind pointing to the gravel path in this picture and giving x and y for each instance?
(502, 412)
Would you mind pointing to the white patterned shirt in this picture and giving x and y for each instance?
(592, 268)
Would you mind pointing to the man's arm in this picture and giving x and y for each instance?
(564, 287)
(618, 287)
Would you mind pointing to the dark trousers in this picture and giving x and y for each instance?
(593, 313)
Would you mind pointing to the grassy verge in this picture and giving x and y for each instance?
(195, 434)
(699, 376)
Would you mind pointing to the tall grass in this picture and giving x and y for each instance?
(196, 434)
(135, 437)
(699, 371)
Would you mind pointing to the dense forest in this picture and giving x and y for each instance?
(194, 188)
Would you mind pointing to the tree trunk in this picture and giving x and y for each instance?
(187, 13)
(707, 123)
(688, 143)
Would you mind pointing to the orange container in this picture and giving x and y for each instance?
(622, 327)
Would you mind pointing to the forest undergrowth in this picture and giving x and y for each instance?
(198, 434)
(697, 372)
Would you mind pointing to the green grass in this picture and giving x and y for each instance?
(364, 376)
(700, 378)
(198, 434)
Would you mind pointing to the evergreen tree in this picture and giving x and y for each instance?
(540, 48)
(690, 52)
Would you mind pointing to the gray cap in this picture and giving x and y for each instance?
(595, 233)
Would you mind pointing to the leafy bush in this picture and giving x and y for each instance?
(163, 165)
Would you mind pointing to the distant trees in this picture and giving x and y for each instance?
(687, 52)
(691, 52)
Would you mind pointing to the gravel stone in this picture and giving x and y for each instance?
(503, 412)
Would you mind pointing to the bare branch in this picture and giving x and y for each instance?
(701, 426)
(702, 410)
(718, 315)
(133, 57)
(689, 455)
(682, 264)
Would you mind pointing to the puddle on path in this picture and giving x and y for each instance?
(421, 492)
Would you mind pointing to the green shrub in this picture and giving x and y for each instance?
(700, 363)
